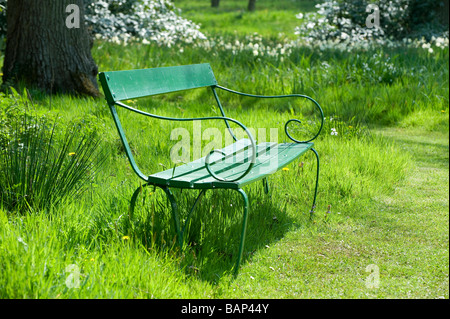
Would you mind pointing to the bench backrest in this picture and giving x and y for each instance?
(124, 85)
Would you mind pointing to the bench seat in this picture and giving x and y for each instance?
(270, 157)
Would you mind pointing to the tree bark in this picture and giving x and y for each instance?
(251, 5)
(43, 52)
(444, 13)
(215, 3)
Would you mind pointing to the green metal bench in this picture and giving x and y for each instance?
(232, 167)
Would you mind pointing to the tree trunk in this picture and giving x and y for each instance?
(251, 5)
(215, 3)
(444, 13)
(47, 49)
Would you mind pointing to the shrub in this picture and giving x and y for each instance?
(346, 21)
(143, 20)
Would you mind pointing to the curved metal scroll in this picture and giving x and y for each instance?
(207, 163)
(291, 120)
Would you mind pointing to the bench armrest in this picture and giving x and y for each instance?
(207, 161)
(319, 108)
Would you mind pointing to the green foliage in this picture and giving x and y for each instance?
(120, 21)
(13, 109)
(42, 164)
(346, 21)
(142, 20)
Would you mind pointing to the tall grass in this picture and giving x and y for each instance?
(39, 169)
(379, 86)
(59, 258)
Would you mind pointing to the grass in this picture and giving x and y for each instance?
(41, 169)
(232, 17)
(383, 193)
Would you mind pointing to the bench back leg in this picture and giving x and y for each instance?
(244, 229)
(172, 203)
(199, 198)
(266, 185)
(317, 183)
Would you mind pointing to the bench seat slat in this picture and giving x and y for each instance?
(270, 158)
(196, 171)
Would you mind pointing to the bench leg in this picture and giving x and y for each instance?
(200, 196)
(244, 229)
(266, 185)
(133, 200)
(180, 232)
(317, 183)
(172, 203)
(176, 220)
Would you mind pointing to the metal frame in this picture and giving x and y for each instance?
(181, 230)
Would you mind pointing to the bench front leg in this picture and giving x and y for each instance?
(180, 231)
(243, 231)
(172, 203)
(133, 200)
(176, 220)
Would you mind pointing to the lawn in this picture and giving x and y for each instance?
(380, 229)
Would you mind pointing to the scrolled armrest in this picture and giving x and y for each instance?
(252, 159)
(207, 163)
(319, 108)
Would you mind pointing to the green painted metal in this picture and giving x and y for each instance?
(180, 230)
(232, 167)
(223, 113)
(243, 231)
(319, 108)
(200, 196)
(124, 85)
(270, 157)
(133, 200)
(266, 185)
(252, 156)
(176, 219)
(125, 143)
(317, 182)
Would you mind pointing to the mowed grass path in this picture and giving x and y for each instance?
(403, 236)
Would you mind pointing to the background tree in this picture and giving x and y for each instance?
(215, 3)
(251, 5)
(49, 47)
